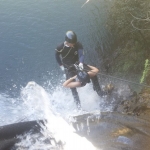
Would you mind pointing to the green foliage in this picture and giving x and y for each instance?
(129, 23)
(146, 71)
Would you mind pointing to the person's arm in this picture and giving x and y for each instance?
(80, 52)
(81, 55)
(58, 51)
(57, 56)
(71, 84)
(93, 71)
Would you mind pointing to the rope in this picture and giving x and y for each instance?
(120, 79)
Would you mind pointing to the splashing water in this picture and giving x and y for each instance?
(55, 126)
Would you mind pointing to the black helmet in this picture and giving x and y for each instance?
(71, 37)
(83, 77)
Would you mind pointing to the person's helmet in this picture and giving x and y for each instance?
(71, 37)
(83, 77)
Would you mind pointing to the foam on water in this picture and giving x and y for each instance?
(56, 107)
(30, 104)
(39, 101)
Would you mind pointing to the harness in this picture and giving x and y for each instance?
(62, 51)
(68, 53)
(82, 75)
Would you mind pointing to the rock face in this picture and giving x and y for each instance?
(127, 127)
(136, 104)
(9, 133)
(114, 131)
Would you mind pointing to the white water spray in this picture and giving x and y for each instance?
(56, 126)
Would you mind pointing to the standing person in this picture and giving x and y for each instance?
(68, 53)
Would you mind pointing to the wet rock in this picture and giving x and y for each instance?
(114, 131)
(135, 104)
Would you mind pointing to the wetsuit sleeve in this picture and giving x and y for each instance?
(58, 53)
(80, 53)
(57, 56)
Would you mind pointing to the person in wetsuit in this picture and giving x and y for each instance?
(67, 54)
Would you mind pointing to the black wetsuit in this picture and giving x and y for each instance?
(68, 56)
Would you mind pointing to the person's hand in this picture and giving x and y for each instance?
(81, 66)
(62, 68)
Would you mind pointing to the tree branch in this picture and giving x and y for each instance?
(146, 19)
(140, 19)
(136, 27)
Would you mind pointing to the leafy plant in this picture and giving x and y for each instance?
(146, 71)
(129, 23)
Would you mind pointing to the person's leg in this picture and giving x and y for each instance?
(96, 86)
(70, 73)
(76, 97)
(95, 82)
